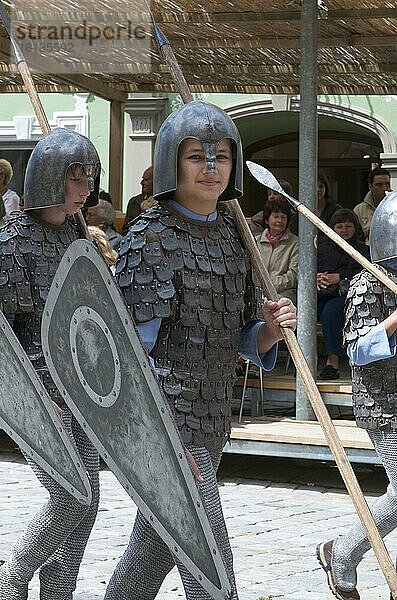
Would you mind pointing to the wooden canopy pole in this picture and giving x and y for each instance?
(116, 153)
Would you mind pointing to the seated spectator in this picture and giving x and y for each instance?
(101, 239)
(335, 268)
(10, 198)
(325, 207)
(102, 216)
(279, 247)
(255, 222)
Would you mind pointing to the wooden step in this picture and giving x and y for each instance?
(290, 431)
(287, 382)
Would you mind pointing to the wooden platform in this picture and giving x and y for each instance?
(287, 382)
(280, 386)
(285, 437)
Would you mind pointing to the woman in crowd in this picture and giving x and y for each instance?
(102, 216)
(335, 269)
(256, 222)
(9, 197)
(279, 247)
(325, 206)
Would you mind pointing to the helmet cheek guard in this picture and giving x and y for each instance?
(207, 123)
(382, 234)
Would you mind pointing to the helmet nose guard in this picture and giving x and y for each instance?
(91, 171)
(210, 156)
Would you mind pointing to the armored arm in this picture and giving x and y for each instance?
(371, 321)
(144, 272)
(15, 285)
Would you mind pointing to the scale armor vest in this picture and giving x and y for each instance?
(196, 277)
(374, 385)
(30, 252)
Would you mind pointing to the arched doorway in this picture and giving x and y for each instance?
(346, 157)
(350, 144)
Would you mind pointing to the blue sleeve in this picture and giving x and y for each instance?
(375, 345)
(148, 333)
(248, 347)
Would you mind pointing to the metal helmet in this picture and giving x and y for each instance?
(48, 165)
(382, 234)
(207, 123)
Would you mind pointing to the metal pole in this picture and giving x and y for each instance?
(307, 298)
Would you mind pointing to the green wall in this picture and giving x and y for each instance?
(19, 105)
(99, 111)
(252, 128)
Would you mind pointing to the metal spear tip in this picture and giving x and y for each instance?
(266, 178)
(19, 57)
(161, 39)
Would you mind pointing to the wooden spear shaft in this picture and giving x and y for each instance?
(302, 367)
(34, 98)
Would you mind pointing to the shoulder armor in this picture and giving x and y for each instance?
(30, 252)
(368, 303)
(144, 271)
(15, 291)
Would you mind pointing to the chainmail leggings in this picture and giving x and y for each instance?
(55, 538)
(349, 549)
(147, 559)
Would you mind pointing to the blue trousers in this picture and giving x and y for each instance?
(332, 317)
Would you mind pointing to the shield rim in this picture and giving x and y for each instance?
(56, 421)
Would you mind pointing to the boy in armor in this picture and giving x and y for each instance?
(370, 336)
(188, 282)
(62, 171)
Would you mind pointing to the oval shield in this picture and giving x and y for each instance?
(104, 375)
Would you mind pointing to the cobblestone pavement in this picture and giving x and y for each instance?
(276, 511)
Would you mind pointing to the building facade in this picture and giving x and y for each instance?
(355, 134)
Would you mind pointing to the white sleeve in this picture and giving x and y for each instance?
(11, 201)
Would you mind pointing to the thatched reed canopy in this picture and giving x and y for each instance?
(223, 46)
